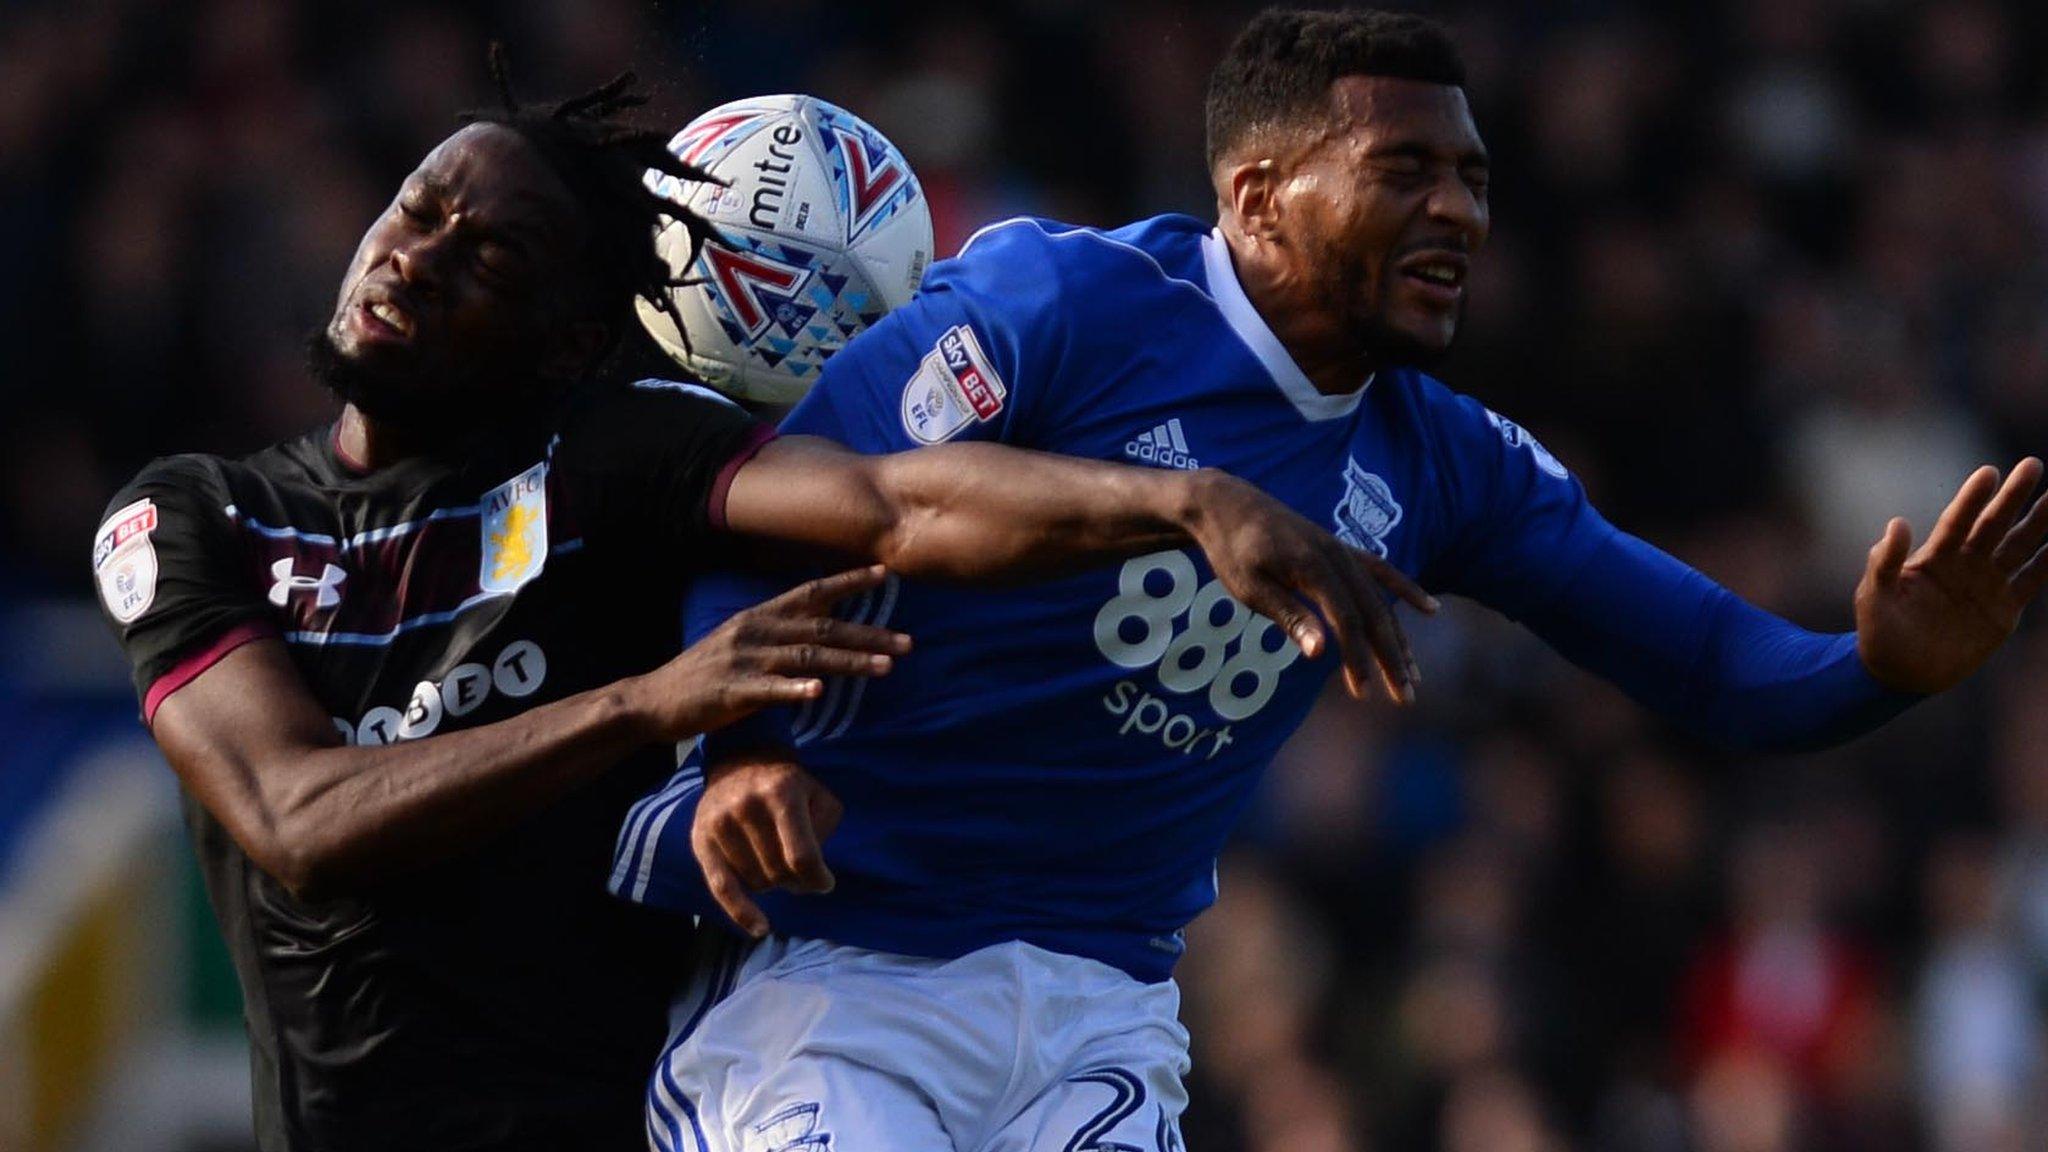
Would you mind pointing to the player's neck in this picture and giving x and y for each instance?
(367, 445)
(1318, 340)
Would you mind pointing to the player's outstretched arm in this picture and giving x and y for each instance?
(251, 743)
(1741, 676)
(1927, 618)
(978, 511)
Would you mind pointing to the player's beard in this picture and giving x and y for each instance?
(411, 404)
(1392, 347)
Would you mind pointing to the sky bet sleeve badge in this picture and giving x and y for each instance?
(515, 527)
(954, 386)
(124, 561)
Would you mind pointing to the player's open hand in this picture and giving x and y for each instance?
(774, 653)
(762, 823)
(1290, 570)
(1927, 618)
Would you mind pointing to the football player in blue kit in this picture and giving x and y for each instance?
(1033, 804)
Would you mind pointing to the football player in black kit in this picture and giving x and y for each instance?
(411, 668)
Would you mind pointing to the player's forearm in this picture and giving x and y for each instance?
(1768, 683)
(983, 511)
(344, 818)
(1727, 670)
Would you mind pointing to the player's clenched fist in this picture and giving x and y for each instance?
(762, 823)
(777, 652)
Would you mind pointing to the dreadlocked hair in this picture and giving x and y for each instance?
(604, 161)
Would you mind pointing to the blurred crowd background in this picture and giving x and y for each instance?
(1764, 272)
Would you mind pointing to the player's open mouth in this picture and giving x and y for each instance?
(1440, 275)
(391, 317)
(384, 318)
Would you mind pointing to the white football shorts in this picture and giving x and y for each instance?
(808, 1046)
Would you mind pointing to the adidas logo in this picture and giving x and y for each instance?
(1163, 445)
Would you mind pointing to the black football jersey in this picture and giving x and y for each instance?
(500, 999)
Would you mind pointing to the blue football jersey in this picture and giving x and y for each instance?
(1061, 763)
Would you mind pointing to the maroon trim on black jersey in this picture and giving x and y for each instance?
(188, 669)
(341, 455)
(760, 436)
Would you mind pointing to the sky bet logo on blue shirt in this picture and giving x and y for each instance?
(954, 386)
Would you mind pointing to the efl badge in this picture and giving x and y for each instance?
(515, 527)
(124, 561)
(1367, 512)
(953, 387)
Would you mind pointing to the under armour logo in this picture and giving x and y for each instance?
(326, 586)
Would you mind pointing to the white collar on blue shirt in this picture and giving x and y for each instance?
(1251, 328)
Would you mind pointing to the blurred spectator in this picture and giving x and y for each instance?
(1782, 987)
(1979, 1043)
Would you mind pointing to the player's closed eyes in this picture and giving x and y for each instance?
(497, 265)
(417, 209)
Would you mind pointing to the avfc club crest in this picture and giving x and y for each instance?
(514, 516)
(1367, 512)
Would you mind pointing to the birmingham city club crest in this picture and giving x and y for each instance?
(515, 531)
(1367, 512)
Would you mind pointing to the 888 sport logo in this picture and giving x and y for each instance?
(1203, 643)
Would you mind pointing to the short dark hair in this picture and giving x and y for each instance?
(603, 159)
(1281, 66)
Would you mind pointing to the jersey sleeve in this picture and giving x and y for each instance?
(167, 568)
(971, 358)
(649, 465)
(1516, 523)
(653, 862)
(1520, 536)
(713, 599)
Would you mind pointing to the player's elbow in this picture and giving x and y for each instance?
(944, 531)
(894, 509)
(300, 864)
(907, 542)
(922, 517)
(298, 871)
(305, 853)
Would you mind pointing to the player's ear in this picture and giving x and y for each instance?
(1250, 187)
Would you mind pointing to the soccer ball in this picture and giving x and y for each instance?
(826, 230)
